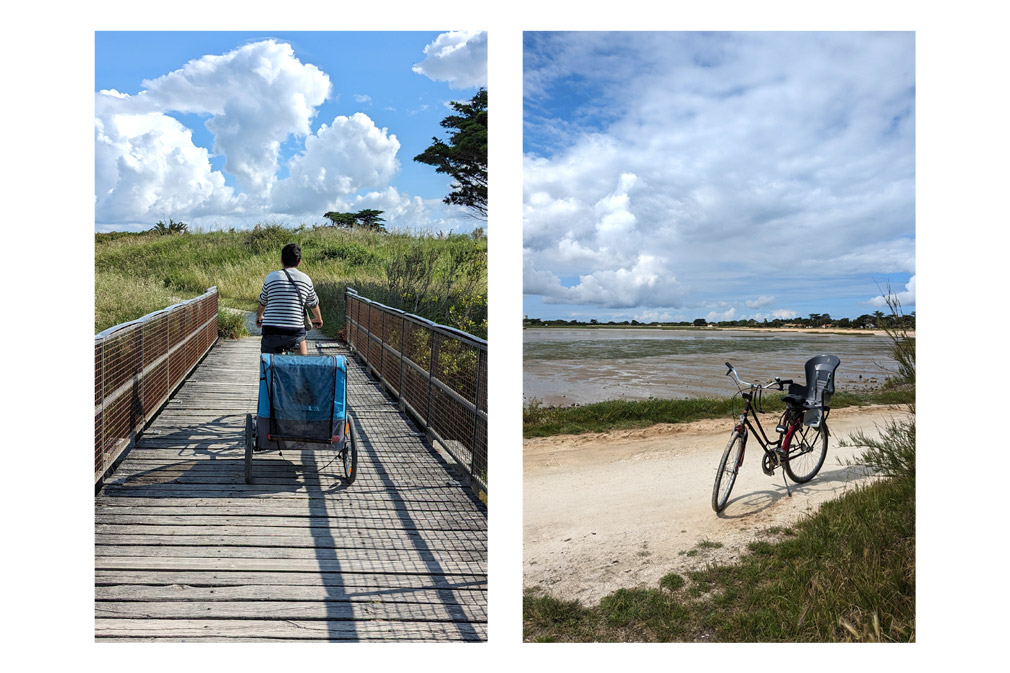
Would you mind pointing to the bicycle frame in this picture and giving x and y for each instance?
(747, 425)
(774, 450)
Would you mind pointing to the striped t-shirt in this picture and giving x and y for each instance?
(281, 298)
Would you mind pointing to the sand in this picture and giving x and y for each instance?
(622, 509)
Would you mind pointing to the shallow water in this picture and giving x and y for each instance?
(577, 366)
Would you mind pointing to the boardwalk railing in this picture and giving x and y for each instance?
(438, 374)
(139, 364)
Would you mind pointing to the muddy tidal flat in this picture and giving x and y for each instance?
(583, 365)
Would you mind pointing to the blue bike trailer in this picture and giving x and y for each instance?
(301, 399)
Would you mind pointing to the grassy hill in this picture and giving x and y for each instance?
(443, 278)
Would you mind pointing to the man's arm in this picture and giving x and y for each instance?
(317, 317)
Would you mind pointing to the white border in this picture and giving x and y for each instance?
(961, 227)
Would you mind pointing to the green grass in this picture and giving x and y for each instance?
(120, 298)
(671, 582)
(231, 325)
(137, 274)
(545, 421)
(844, 574)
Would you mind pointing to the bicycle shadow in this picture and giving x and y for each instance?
(759, 501)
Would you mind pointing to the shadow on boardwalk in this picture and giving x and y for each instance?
(185, 550)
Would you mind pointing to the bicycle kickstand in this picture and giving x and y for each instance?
(786, 482)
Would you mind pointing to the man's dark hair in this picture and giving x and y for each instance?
(291, 254)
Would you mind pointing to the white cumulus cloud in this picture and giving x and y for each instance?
(458, 57)
(146, 163)
(147, 168)
(257, 96)
(904, 298)
(719, 316)
(348, 155)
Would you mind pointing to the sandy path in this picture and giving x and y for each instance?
(619, 510)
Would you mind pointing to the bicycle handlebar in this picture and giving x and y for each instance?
(776, 382)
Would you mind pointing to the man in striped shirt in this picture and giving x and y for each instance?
(285, 296)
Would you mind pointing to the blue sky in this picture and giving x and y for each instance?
(229, 129)
(672, 176)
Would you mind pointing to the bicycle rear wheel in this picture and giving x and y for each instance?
(725, 477)
(807, 450)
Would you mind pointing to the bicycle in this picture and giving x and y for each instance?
(802, 442)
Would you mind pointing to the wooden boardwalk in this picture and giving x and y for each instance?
(186, 550)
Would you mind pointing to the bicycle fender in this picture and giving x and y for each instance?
(788, 438)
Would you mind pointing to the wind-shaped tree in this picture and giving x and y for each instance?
(464, 156)
(172, 227)
(346, 220)
(367, 219)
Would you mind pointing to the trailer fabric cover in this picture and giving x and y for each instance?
(303, 396)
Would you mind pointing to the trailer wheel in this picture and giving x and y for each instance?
(349, 454)
(250, 442)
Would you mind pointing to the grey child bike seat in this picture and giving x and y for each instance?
(820, 384)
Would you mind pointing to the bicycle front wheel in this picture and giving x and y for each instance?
(807, 450)
(725, 477)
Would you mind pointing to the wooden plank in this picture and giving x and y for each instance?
(280, 527)
(375, 528)
(412, 558)
(177, 494)
(430, 557)
(315, 505)
(407, 544)
(376, 517)
(286, 592)
(302, 506)
(269, 609)
(360, 583)
(220, 630)
(405, 567)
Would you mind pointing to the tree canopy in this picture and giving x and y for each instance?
(464, 156)
(172, 227)
(366, 219)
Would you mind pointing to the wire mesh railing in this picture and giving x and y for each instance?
(437, 373)
(139, 364)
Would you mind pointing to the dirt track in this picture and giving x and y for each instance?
(619, 510)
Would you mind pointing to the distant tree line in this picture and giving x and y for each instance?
(876, 320)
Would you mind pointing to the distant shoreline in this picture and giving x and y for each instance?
(840, 331)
